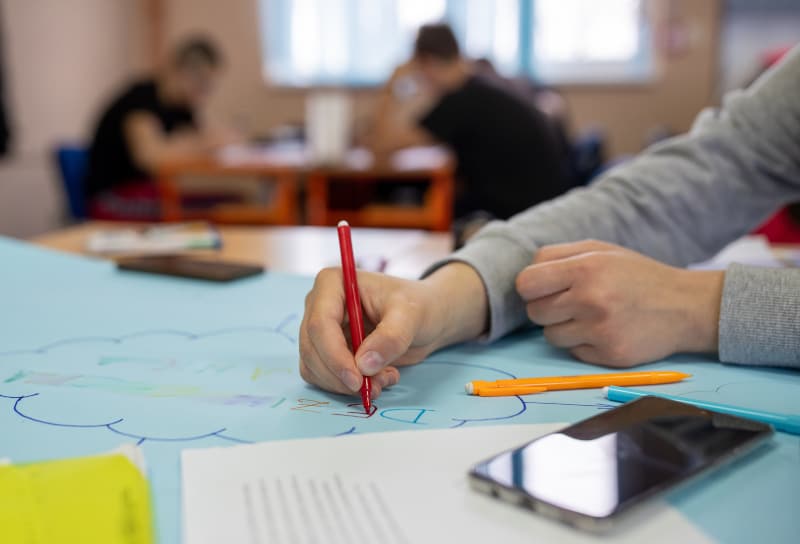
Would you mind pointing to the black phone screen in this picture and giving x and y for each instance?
(606, 463)
(190, 268)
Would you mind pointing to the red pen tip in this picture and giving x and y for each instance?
(366, 394)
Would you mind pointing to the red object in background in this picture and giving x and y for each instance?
(771, 56)
(781, 228)
(136, 201)
(141, 201)
(353, 303)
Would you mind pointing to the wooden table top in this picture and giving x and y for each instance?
(306, 250)
(298, 250)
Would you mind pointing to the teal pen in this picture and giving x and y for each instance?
(781, 422)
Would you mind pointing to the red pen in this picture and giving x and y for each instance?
(353, 302)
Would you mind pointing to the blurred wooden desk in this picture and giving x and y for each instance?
(427, 163)
(288, 166)
(297, 250)
(282, 209)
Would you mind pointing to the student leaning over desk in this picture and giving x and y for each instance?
(152, 123)
(678, 203)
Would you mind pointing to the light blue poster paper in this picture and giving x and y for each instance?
(91, 357)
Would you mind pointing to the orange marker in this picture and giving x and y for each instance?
(529, 386)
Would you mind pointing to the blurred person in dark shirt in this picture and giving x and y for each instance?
(150, 123)
(509, 156)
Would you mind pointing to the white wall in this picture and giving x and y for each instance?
(61, 59)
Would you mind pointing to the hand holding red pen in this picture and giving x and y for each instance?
(404, 321)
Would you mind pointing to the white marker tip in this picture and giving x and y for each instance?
(605, 391)
(469, 389)
(343, 223)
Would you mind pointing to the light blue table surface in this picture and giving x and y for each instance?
(91, 357)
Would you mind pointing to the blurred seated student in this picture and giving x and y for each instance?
(150, 123)
(507, 151)
(621, 299)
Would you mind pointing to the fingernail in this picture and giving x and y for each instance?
(370, 363)
(351, 380)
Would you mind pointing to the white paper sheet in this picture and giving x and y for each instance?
(750, 250)
(388, 488)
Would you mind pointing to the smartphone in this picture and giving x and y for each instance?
(593, 472)
(184, 267)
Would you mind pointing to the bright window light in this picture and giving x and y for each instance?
(491, 29)
(413, 13)
(587, 40)
(585, 30)
(359, 42)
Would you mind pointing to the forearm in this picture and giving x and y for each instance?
(698, 293)
(395, 124)
(679, 203)
(458, 304)
(170, 151)
(760, 317)
(152, 148)
(381, 119)
(395, 132)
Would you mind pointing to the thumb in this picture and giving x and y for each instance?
(391, 339)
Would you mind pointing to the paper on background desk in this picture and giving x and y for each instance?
(749, 250)
(394, 488)
(155, 240)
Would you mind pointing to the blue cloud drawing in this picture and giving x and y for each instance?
(237, 384)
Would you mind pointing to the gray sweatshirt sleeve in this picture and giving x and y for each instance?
(681, 202)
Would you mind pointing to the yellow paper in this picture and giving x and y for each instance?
(90, 500)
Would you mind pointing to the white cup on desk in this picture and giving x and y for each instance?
(328, 126)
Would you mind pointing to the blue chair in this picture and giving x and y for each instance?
(73, 163)
(588, 156)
